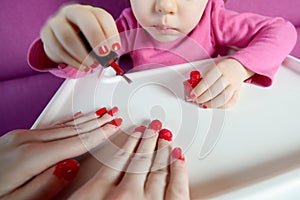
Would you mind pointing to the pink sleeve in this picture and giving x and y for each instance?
(263, 42)
(38, 60)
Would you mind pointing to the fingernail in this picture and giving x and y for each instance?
(77, 114)
(113, 111)
(140, 129)
(86, 69)
(155, 125)
(116, 46)
(101, 112)
(94, 65)
(204, 106)
(165, 134)
(116, 122)
(67, 169)
(193, 96)
(103, 50)
(177, 154)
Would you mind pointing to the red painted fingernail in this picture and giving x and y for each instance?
(103, 50)
(116, 46)
(195, 75)
(67, 169)
(140, 129)
(193, 96)
(86, 69)
(77, 114)
(155, 125)
(177, 154)
(204, 106)
(165, 134)
(113, 111)
(94, 65)
(116, 122)
(101, 112)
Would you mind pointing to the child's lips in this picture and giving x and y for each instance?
(164, 29)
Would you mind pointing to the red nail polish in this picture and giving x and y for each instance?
(165, 134)
(103, 50)
(101, 112)
(177, 154)
(140, 129)
(94, 65)
(155, 125)
(67, 169)
(113, 111)
(77, 114)
(116, 67)
(204, 106)
(86, 69)
(116, 122)
(116, 46)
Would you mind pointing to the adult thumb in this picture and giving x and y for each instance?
(49, 183)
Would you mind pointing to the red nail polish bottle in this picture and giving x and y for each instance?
(195, 78)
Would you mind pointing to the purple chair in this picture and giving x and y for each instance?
(25, 92)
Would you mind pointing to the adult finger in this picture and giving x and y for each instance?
(178, 186)
(157, 179)
(49, 183)
(115, 161)
(80, 125)
(209, 78)
(142, 159)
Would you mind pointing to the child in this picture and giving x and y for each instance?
(153, 29)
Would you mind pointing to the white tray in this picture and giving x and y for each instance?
(251, 151)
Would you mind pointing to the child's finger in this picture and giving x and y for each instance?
(213, 91)
(88, 24)
(221, 99)
(232, 101)
(55, 51)
(178, 186)
(209, 78)
(109, 28)
(49, 183)
(70, 40)
(157, 179)
(142, 160)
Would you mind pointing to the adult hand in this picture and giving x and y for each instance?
(28, 156)
(140, 169)
(62, 41)
(221, 84)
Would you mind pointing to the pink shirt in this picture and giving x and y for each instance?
(263, 43)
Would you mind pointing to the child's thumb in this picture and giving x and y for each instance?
(49, 183)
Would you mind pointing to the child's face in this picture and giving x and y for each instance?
(167, 20)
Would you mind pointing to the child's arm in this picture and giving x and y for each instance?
(263, 42)
(61, 43)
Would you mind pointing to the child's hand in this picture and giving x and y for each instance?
(221, 84)
(63, 44)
